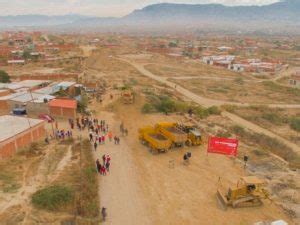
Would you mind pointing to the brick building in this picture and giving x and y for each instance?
(64, 108)
(19, 132)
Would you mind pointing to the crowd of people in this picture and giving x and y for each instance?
(62, 134)
(99, 134)
(103, 168)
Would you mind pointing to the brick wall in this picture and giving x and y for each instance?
(57, 77)
(62, 112)
(4, 106)
(10, 146)
(4, 93)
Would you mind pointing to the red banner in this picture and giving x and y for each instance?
(223, 146)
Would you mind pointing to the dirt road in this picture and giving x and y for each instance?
(119, 191)
(207, 102)
(210, 102)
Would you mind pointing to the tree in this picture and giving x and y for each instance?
(83, 103)
(26, 54)
(4, 77)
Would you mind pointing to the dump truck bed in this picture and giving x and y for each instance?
(155, 139)
(173, 133)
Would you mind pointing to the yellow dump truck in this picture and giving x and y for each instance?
(154, 139)
(172, 132)
(193, 133)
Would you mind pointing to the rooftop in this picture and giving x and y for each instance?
(7, 97)
(22, 84)
(15, 125)
(27, 97)
(63, 103)
(32, 83)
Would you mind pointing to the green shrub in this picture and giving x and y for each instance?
(273, 118)
(182, 106)
(229, 108)
(238, 130)
(295, 124)
(201, 112)
(53, 197)
(90, 174)
(148, 108)
(214, 110)
(166, 105)
(4, 77)
(223, 134)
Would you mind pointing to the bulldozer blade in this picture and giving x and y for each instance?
(222, 201)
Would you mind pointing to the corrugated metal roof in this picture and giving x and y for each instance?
(7, 97)
(35, 97)
(11, 86)
(32, 83)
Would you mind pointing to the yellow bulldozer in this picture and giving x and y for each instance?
(249, 192)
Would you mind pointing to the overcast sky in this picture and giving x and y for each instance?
(102, 8)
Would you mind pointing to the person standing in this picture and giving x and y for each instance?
(108, 158)
(110, 136)
(104, 159)
(122, 128)
(104, 214)
(95, 145)
(98, 165)
(103, 170)
(107, 165)
(47, 140)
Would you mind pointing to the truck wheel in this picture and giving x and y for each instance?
(188, 143)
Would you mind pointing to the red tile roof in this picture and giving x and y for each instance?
(63, 103)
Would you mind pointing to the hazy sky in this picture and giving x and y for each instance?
(98, 7)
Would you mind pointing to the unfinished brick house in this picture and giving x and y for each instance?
(63, 108)
(19, 132)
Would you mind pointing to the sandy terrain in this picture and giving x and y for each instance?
(179, 195)
(119, 191)
(210, 102)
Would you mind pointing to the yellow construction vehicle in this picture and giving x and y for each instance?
(127, 96)
(154, 139)
(248, 193)
(194, 137)
(172, 132)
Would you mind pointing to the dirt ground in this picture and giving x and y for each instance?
(172, 195)
(277, 120)
(183, 194)
(220, 84)
(145, 188)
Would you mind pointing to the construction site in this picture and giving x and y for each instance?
(165, 170)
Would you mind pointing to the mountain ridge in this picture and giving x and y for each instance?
(278, 17)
